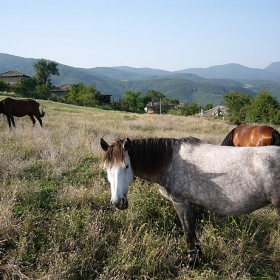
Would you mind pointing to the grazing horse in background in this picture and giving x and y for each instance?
(190, 172)
(20, 108)
(252, 135)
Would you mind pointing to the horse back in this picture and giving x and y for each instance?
(20, 107)
(242, 135)
(264, 135)
(252, 135)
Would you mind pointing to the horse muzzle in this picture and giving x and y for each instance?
(121, 203)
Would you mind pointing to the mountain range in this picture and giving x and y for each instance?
(201, 85)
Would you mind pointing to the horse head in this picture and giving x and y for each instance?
(117, 164)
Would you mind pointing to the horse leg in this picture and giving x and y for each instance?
(276, 204)
(9, 121)
(40, 120)
(185, 213)
(11, 118)
(32, 119)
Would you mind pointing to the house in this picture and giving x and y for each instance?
(13, 76)
(61, 90)
(155, 107)
(106, 99)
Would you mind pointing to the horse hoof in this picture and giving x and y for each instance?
(193, 257)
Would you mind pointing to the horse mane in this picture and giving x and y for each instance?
(228, 141)
(152, 155)
(148, 156)
(114, 153)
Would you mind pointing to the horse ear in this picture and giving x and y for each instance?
(126, 144)
(104, 144)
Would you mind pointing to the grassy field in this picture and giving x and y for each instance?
(56, 221)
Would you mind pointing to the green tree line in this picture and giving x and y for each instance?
(134, 102)
(40, 86)
(244, 109)
(241, 108)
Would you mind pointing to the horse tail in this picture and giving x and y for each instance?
(228, 141)
(41, 114)
(276, 137)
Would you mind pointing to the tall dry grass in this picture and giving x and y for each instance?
(56, 221)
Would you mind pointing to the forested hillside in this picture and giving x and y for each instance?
(203, 86)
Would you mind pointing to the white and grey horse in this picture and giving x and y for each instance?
(225, 180)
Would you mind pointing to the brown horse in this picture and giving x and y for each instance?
(20, 108)
(251, 135)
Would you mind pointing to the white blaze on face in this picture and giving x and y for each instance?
(120, 177)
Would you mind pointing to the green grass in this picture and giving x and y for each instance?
(56, 221)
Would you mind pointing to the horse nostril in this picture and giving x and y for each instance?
(124, 203)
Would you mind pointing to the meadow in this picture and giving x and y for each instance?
(56, 221)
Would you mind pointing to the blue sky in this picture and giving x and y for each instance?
(162, 34)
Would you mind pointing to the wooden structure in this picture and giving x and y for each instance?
(155, 107)
(214, 112)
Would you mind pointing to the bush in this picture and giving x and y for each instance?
(84, 95)
(25, 87)
(4, 86)
(263, 109)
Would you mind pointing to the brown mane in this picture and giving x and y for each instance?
(148, 156)
(114, 154)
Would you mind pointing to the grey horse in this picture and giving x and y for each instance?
(225, 180)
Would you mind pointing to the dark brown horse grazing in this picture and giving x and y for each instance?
(20, 108)
(251, 135)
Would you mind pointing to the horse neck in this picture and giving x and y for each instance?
(150, 157)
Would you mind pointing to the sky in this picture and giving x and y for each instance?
(161, 34)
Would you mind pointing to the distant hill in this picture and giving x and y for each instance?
(202, 85)
(125, 72)
(273, 68)
(236, 72)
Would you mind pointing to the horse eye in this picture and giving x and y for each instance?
(127, 166)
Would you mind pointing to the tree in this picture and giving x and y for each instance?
(186, 109)
(42, 92)
(152, 96)
(133, 102)
(4, 86)
(43, 70)
(26, 87)
(236, 104)
(263, 109)
(84, 95)
(207, 107)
